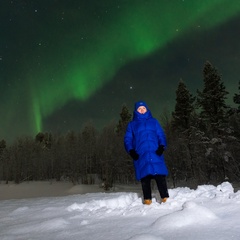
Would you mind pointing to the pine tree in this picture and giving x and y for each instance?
(126, 166)
(125, 117)
(185, 138)
(2, 159)
(212, 100)
(2, 145)
(234, 120)
(236, 98)
(89, 137)
(214, 116)
(183, 108)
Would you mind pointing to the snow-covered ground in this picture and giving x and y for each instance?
(208, 212)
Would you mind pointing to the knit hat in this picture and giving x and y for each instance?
(140, 103)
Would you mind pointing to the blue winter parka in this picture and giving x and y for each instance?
(144, 134)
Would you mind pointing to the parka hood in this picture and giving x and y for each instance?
(140, 103)
(139, 116)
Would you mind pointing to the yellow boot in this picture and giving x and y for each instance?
(147, 201)
(164, 200)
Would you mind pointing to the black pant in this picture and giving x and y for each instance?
(161, 184)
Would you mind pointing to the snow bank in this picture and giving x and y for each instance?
(145, 237)
(191, 214)
(113, 201)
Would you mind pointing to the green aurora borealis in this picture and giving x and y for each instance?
(53, 53)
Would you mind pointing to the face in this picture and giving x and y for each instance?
(142, 110)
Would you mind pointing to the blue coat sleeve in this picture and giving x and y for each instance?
(161, 135)
(128, 138)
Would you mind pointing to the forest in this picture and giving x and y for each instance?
(203, 135)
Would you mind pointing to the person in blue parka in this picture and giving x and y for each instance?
(145, 141)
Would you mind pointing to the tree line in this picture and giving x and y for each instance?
(203, 135)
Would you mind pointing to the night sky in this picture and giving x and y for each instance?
(66, 62)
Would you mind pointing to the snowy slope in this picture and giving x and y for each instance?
(209, 212)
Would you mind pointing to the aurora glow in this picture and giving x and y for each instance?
(70, 50)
